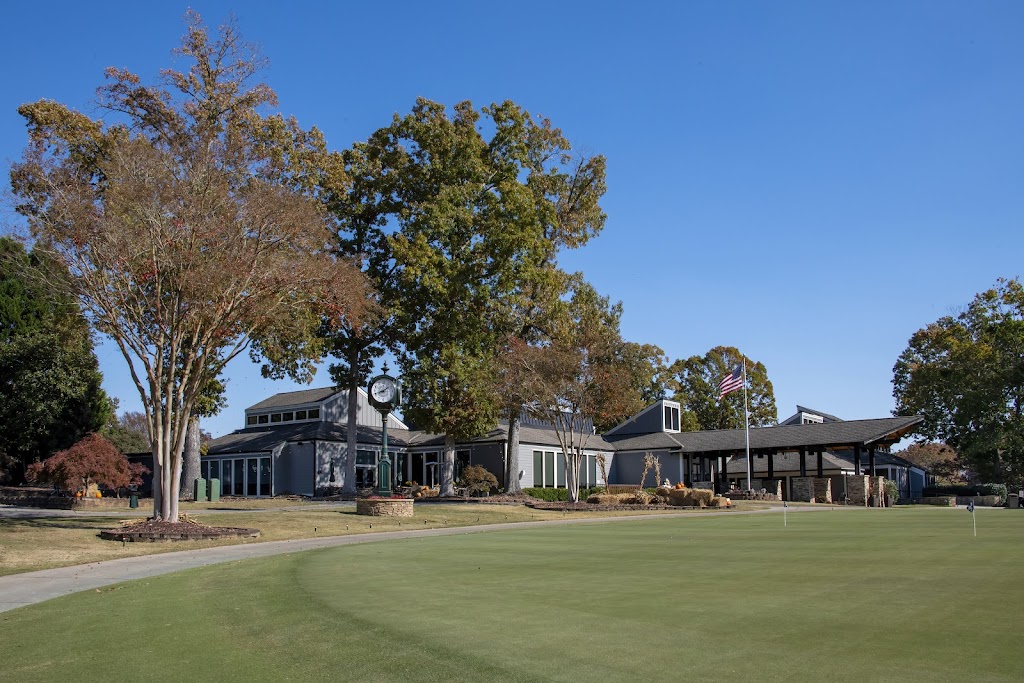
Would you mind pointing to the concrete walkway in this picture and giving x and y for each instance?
(18, 590)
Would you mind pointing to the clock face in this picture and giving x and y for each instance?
(383, 391)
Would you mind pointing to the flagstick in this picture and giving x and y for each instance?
(785, 509)
(746, 425)
(975, 520)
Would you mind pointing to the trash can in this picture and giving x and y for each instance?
(133, 500)
(1013, 501)
(200, 489)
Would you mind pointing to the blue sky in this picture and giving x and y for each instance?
(811, 182)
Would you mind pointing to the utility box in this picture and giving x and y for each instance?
(214, 490)
(199, 490)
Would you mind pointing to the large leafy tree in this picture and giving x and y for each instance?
(965, 375)
(937, 458)
(479, 217)
(695, 383)
(50, 393)
(185, 239)
(584, 376)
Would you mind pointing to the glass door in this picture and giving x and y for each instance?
(239, 467)
(264, 476)
(252, 477)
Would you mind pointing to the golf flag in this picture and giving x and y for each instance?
(732, 382)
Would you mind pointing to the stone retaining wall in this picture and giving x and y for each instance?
(384, 507)
(944, 501)
(987, 501)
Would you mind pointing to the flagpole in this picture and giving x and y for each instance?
(746, 425)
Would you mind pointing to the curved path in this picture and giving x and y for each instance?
(18, 590)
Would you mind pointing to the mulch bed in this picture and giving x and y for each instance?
(155, 531)
(583, 507)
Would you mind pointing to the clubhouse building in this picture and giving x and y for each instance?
(293, 443)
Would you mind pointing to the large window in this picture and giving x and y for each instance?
(538, 469)
(672, 418)
(549, 469)
(265, 476)
(591, 470)
(214, 469)
(560, 470)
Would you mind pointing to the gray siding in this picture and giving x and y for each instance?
(651, 419)
(335, 409)
(526, 462)
(293, 470)
(630, 466)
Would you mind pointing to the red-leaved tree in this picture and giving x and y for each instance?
(93, 460)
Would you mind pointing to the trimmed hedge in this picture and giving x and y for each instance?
(965, 490)
(552, 495)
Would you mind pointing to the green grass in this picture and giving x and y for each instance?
(870, 595)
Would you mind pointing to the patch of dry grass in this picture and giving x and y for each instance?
(44, 543)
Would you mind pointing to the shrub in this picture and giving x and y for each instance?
(93, 460)
(967, 490)
(477, 480)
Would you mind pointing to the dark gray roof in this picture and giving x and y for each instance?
(294, 398)
(265, 438)
(830, 460)
(850, 432)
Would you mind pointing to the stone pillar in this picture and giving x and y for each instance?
(858, 488)
(822, 490)
(803, 489)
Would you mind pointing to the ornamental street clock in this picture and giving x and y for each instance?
(385, 394)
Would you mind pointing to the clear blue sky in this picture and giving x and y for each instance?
(811, 182)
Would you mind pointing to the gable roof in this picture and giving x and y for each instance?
(844, 433)
(294, 398)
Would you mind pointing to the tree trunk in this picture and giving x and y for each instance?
(348, 462)
(157, 477)
(192, 469)
(512, 484)
(448, 467)
(572, 477)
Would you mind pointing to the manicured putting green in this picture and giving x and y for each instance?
(869, 595)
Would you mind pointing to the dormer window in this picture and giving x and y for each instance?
(671, 418)
(251, 420)
(314, 414)
(300, 414)
(811, 419)
(263, 419)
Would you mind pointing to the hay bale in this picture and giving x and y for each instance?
(720, 502)
(691, 497)
(604, 499)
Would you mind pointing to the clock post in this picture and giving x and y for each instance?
(385, 393)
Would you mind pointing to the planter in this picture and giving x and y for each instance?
(384, 507)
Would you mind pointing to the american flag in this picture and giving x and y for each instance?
(731, 382)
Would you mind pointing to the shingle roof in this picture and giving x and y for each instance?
(293, 398)
(850, 432)
(790, 462)
(265, 438)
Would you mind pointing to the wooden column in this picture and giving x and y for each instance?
(821, 468)
(724, 473)
(687, 476)
(856, 460)
(771, 464)
(803, 461)
(871, 461)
